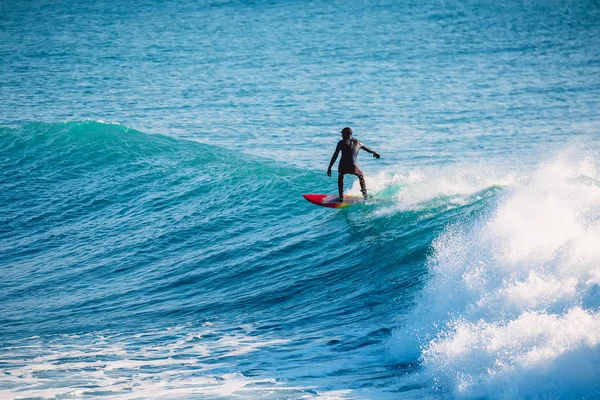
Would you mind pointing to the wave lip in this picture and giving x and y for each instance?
(512, 305)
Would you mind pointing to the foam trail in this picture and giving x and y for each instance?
(512, 305)
(432, 189)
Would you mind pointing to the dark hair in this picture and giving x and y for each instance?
(347, 131)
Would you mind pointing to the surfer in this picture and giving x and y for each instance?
(349, 148)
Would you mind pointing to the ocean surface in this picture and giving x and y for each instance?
(154, 242)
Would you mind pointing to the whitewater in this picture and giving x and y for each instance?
(154, 241)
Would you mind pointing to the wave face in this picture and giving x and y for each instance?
(139, 265)
(126, 204)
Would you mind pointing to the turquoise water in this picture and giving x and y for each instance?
(154, 242)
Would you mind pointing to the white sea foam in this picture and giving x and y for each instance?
(510, 309)
(177, 365)
(430, 187)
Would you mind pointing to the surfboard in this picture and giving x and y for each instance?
(331, 200)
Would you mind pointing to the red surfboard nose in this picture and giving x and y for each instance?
(315, 198)
(326, 200)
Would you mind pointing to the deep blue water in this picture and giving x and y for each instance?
(154, 242)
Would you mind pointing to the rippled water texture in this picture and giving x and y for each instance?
(154, 242)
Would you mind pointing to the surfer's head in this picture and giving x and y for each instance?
(347, 132)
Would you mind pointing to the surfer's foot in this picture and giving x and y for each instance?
(340, 199)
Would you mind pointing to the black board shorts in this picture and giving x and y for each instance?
(350, 169)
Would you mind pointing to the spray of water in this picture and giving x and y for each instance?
(511, 307)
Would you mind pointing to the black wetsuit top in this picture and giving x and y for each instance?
(349, 149)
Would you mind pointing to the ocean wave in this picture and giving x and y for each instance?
(111, 229)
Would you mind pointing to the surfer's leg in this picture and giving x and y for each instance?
(363, 185)
(341, 185)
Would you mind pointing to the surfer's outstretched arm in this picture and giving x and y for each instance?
(368, 150)
(333, 158)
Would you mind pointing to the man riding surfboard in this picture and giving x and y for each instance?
(349, 148)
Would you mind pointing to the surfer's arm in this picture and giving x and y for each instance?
(368, 150)
(333, 158)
